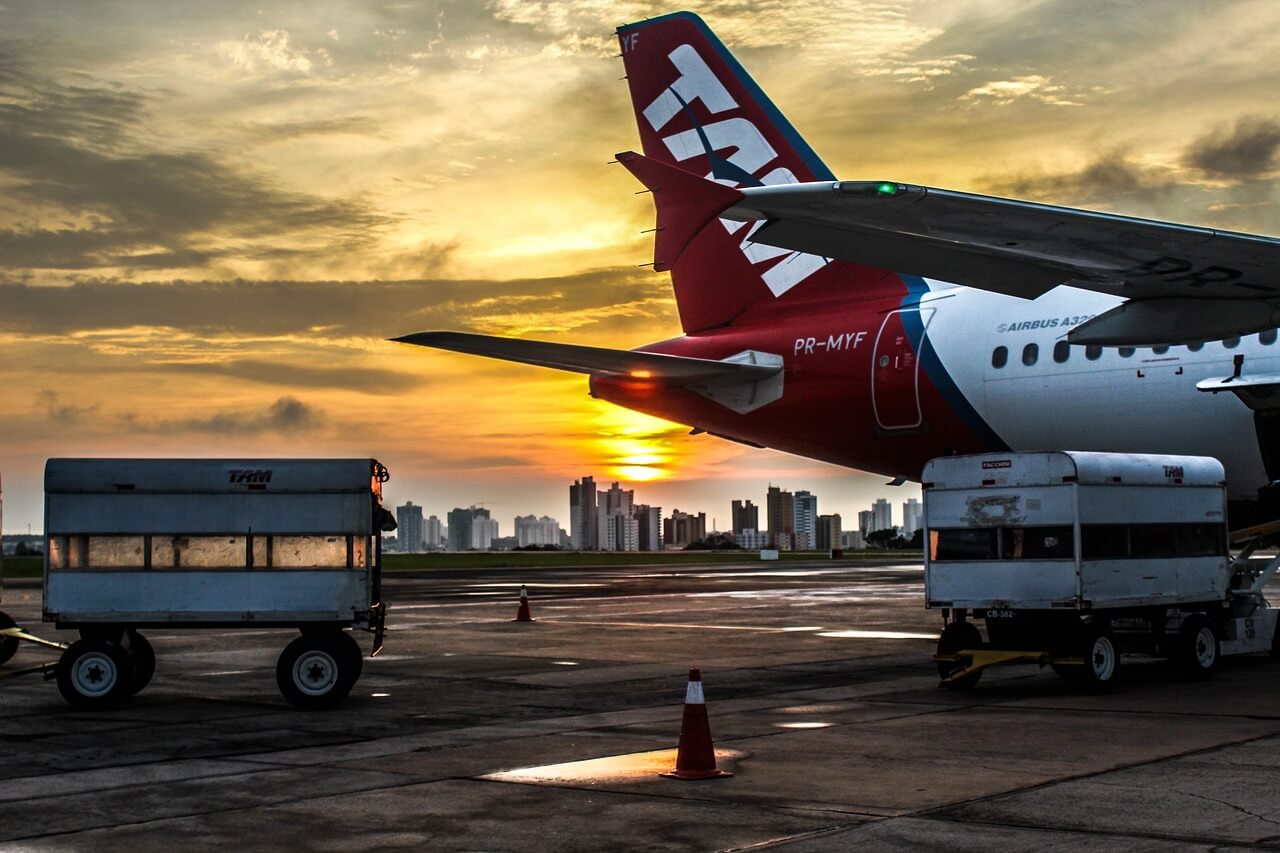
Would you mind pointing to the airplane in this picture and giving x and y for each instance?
(879, 324)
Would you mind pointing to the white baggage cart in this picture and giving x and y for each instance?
(213, 543)
(1071, 558)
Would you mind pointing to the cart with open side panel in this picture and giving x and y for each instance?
(135, 544)
(1071, 558)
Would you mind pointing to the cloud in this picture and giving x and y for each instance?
(369, 309)
(1111, 178)
(85, 191)
(1248, 150)
(64, 414)
(1036, 87)
(364, 379)
(268, 51)
(287, 415)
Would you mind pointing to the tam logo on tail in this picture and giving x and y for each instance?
(738, 151)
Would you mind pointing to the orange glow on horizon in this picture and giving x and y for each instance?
(636, 447)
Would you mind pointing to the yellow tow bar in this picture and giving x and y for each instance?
(976, 660)
(19, 634)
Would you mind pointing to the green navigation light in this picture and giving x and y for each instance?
(887, 189)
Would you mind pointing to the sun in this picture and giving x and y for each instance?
(636, 447)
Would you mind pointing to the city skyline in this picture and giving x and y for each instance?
(215, 216)
(808, 529)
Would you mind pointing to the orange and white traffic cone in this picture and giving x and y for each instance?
(523, 614)
(696, 755)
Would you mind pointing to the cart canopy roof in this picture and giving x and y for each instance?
(1053, 467)
(209, 476)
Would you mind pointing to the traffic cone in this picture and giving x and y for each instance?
(523, 614)
(696, 755)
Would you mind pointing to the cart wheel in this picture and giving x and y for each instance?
(957, 636)
(94, 674)
(1101, 657)
(8, 645)
(1197, 651)
(316, 671)
(354, 664)
(144, 661)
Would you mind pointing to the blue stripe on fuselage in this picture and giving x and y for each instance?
(937, 372)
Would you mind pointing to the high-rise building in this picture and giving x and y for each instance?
(536, 531)
(649, 527)
(583, 522)
(683, 527)
(781, 508)
(746, 516)
(912, 516)
(883, 512)
(483, 529)
(830, 535)
(751, 540)
(806, 521)
(433, 534)
(459, 529)
(471, 529)
(619, 532)
(617, 501)
(866, 522)
(409, 527)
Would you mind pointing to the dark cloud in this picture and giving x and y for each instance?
(356, 125)
(76, 149)
(367, 380)
(287, 415)
(1245, 151)
(379, 309)
(64, 414)
(1109, 180)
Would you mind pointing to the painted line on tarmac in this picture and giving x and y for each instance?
(756, 628)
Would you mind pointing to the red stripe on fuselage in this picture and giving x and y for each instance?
(827, 410)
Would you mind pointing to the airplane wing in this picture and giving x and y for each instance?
(1183, 283)
(746, 368)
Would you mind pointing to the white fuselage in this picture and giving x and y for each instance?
(1145, 401)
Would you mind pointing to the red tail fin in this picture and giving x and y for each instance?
(699, 111)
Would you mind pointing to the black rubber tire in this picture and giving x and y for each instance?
(94, 674)
(9, 645)
(1197, 650)
(355, 658)
(957, 636)
(317, 671)
(144, 660)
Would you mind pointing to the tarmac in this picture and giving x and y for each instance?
(472, 732)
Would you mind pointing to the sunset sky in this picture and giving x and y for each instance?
(212, 215)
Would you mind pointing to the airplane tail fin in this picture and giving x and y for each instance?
(699, 112)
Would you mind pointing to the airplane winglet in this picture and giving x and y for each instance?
(685, 203)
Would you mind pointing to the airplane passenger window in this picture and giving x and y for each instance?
(1195, 347)
(1061, 351)
(1267, 338)
(1093, 352)
(1159, 350)
(1125, 352)
(1232, 342)
(999, 357)
(1030, 354)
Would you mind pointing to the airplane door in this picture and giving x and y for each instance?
(895, 368)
